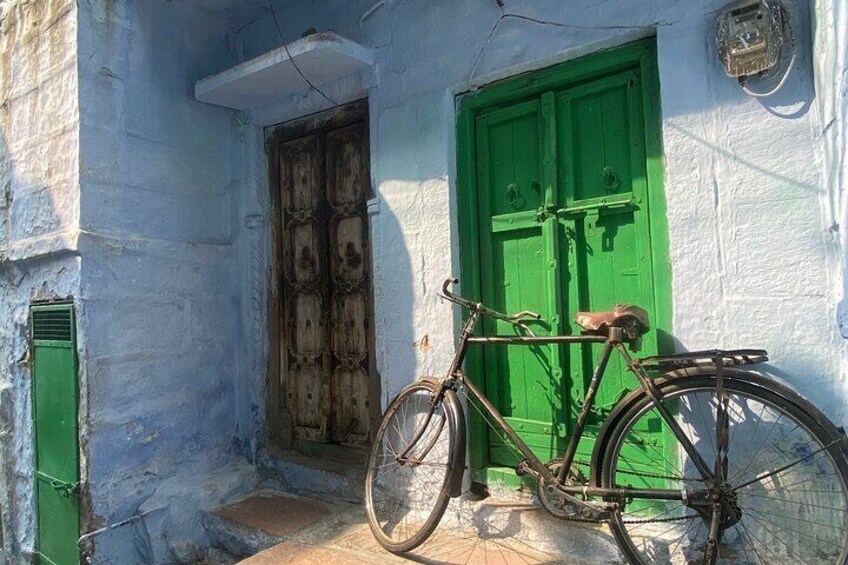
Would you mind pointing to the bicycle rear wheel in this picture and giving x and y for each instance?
(785, 476)
(409, 471)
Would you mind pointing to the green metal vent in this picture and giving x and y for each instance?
(53, 322)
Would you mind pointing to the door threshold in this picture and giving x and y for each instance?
(333, 452)
(502, 477)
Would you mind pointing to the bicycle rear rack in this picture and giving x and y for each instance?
(729, 358)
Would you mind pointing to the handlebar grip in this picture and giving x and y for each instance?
(447, 283)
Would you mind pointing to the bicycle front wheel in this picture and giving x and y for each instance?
(409, 471)
(782, 482)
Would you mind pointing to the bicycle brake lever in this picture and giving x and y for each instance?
(526, 314)
(524, 327)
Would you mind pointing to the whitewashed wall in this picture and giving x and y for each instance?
(754, 257)
(831, 78)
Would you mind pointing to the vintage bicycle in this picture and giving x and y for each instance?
(745, 470)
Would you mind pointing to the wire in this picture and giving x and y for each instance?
(789, 66)
(294, 64)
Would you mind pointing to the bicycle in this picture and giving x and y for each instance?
(747, 471)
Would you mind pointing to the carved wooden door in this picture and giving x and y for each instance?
(325, 298)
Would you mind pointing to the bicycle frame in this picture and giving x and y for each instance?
(456, 377)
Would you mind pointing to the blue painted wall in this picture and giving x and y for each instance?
(160, 278)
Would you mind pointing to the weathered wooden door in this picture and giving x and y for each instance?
(320, 172)
(563, 209)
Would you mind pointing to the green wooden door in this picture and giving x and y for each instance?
(561, 220)
(55, 395)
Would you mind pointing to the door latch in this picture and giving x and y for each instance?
(65, 489)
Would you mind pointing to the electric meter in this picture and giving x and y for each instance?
(749, 34)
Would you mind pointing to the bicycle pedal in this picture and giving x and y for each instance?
(522, 468)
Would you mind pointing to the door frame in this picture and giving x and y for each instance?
(280, 430)
(640, 55)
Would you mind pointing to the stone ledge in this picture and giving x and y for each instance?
(66, 241)
(322, 57)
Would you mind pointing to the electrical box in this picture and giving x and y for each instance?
(749, 34)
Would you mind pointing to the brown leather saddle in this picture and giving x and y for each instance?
(632, 319)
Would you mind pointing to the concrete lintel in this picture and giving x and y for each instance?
(321, 57)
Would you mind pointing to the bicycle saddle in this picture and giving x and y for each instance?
(632, 319)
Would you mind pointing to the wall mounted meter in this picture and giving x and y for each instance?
(750, 36)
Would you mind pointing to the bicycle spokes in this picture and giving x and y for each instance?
(777, 495)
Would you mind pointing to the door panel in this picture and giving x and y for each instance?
(347, 189)
(513, 162)
(307, 385)
(562, 227)
(519, 380)
(603, 130)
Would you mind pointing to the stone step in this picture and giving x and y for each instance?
(308, 475)
(261, 520)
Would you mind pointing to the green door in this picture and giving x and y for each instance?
(562, 218)
(55, 395)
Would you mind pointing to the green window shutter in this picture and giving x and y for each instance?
(55, 413)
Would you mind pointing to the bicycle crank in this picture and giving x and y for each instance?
(553, 500)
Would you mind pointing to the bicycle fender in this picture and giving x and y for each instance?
(456, 421)
(635, 395)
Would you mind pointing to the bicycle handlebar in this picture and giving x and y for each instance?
(515, 319)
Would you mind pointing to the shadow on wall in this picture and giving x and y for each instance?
(395, 301)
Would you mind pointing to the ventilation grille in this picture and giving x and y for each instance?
(55, 324)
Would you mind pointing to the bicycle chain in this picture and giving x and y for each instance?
(589, 465)
(646, 475)
(636, 473)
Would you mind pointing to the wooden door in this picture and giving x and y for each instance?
(324, 306)
(560, 219)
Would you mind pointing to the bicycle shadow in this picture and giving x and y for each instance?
(512, 527)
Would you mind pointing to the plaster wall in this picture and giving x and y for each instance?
(831, 67)
(160, 279)
(39, 225)
(754, 259)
